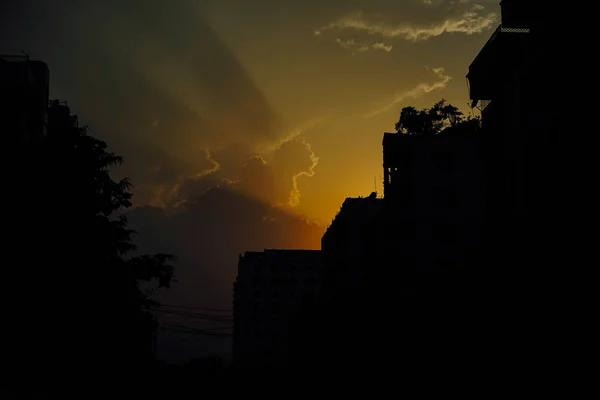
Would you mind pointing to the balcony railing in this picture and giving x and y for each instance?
(501, 53)
(499, 31)
(14, 57)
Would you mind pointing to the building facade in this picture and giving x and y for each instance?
(509, 81)
(519, 80)
(24, 95)
(434, 203)
(347, 244)
(271, 288)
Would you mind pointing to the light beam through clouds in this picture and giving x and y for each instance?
(294, 200)
(420, 89)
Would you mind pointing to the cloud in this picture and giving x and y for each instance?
(294, 198)
(456, 17)
(207, 234)
(422, 88)
(172, 102)
(185, 122)
(217, 226)
(382, 46)
(269, 173)
(350, 44)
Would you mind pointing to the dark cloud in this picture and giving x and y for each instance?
(145, 77)
(291, 157)
(159, 85)
(272, 179)
(258, 179)
(207, 235)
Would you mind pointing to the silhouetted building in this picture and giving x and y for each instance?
(433, 203)
(513, 81)
(271, 287)
(347, 243)
(24, 91)
(517, 13)
(519, 134)
(495, 87)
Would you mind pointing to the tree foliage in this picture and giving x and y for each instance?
(98, 197)
(76, 249)
(434, 120)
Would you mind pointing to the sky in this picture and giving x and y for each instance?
(245, 124)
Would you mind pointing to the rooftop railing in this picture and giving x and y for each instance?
(500, 30)
(14, 57)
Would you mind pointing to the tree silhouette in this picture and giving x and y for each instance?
(434, 120)
(77, 253)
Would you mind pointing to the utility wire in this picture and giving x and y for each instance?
(195, 331)
(195, 308)
(202, 316)
(211, 329)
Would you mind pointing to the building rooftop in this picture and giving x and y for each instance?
(446, 135)
(358, 209)
(276, 253)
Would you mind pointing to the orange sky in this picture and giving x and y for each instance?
(346, 79)
(300, 90)
(283, 101)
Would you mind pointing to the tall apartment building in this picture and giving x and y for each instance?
(270, 289)
(513, 80)
(24, 91)
(434, 204)
(517, 80)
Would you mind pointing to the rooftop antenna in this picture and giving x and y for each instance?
(375, 183)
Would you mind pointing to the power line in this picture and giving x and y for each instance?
(194, 331)
(198, 333)
(194, 322)
(195, 308)
(201, 316)
(203, 328)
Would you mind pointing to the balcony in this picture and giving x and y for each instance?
(503, 53)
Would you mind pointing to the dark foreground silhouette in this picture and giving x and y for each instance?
(79, 294)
